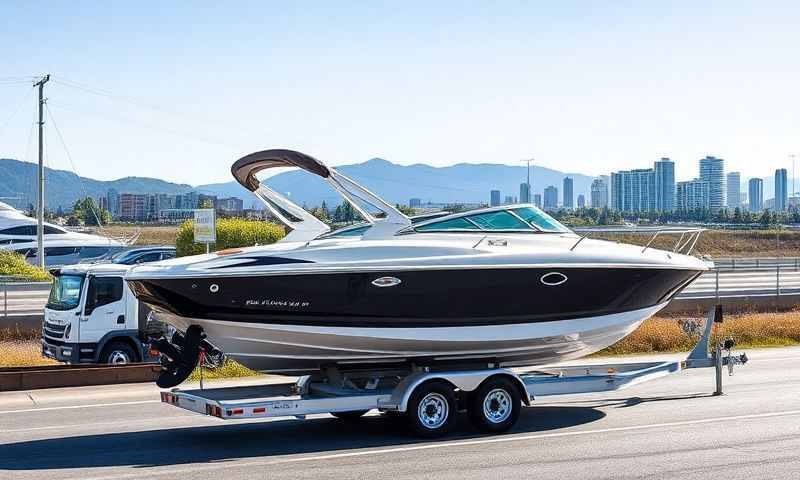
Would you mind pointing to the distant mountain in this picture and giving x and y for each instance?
(463, 182)
(18, 185)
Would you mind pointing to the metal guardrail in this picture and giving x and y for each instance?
(21, 297)
(728, 281)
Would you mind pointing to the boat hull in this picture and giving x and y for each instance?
(303, 349)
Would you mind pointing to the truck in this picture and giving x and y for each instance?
(92, 316)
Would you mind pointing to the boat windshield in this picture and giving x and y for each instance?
(540, 220)
(520, 219)
(65, 294)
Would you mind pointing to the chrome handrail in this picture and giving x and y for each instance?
(685, 244)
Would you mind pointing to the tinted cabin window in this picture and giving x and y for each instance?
(91, 252)
(21, 230)
(148, 257)
(59, 251)
(500, 220)
(459, 223)
(50, 230)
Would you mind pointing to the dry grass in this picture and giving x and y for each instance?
(150, 234)
(22, 353)
(749, 330)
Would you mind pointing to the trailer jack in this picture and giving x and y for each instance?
(701, 358)
(181, 355)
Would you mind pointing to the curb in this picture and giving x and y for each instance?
(54, 376)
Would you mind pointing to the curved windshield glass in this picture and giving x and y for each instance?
(499, 220)
(65, 294)
(540, 220)
(459, 223)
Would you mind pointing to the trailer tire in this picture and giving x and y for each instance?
(118, 353)
(432, 409)
(495, 406)
(350, 416)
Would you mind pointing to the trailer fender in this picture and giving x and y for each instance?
(466, 381)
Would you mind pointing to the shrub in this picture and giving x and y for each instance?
(14, 264)
(231, 232)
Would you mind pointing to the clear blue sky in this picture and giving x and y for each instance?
(182, 90)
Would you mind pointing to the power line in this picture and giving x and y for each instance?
(72, 163)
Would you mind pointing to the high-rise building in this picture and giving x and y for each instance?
(712, 170)
(230, 205)
(693, 195)
(494, 198)
(112, 197)
(734, 187)
(524, 193)
(781, 194)
(665, 184)
(633, 190)
(537, 199)
(550, 198)
(581, 201)
(598, 197)
(134, 206)
(755, 194)
(415, 202)
(568, 194)
(509, 200)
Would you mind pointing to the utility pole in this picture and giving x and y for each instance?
(40, 209)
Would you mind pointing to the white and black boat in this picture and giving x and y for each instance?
(507, 285)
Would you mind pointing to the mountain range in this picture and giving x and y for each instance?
(463, 182)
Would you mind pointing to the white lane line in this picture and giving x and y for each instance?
(72, 407)
(160, 421)
(464, 443)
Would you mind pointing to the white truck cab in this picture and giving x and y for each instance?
(93, 317)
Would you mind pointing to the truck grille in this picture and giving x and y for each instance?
(53, 330)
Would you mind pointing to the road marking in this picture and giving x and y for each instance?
(161, 421)
(463, 443)
(72, 407)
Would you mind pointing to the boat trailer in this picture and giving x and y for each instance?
(429, 395)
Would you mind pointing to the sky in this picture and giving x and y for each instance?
(180, 90)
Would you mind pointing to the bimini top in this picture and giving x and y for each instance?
(246, 168)
(305, 226)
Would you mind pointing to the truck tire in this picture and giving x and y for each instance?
(495, 406)
(118, 353)
(432, 409)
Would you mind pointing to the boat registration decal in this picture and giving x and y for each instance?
(272, 302)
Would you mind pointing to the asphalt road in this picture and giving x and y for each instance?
(670, 428)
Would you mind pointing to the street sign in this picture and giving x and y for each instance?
(205, 226)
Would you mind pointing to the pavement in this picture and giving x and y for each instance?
(669, 428)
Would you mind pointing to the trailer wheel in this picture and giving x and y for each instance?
(118, 353)
(432, 409)
(349, 416)
(495, 405)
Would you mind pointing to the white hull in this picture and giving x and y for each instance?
(296, 349)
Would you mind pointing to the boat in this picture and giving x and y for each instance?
(506, 285)
(61, 246)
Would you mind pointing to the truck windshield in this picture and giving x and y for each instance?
(65, 294)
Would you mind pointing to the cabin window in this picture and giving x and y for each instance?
(540, 220)
(459, 223)
(22, 230)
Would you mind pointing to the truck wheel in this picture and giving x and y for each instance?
(118, 353)
(495, 405)
(432, 409)
(349, 416)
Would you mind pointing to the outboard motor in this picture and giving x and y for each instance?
(181, 355)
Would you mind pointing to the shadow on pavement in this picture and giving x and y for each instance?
(233, 441)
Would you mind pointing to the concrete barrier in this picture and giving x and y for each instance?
(53, 376)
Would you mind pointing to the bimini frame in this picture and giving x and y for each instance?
(305, 226)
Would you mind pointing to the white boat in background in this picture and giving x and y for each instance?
(61, 246)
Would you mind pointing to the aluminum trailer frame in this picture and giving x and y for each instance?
(337, 393)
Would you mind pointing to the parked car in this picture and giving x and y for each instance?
(133, 256)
